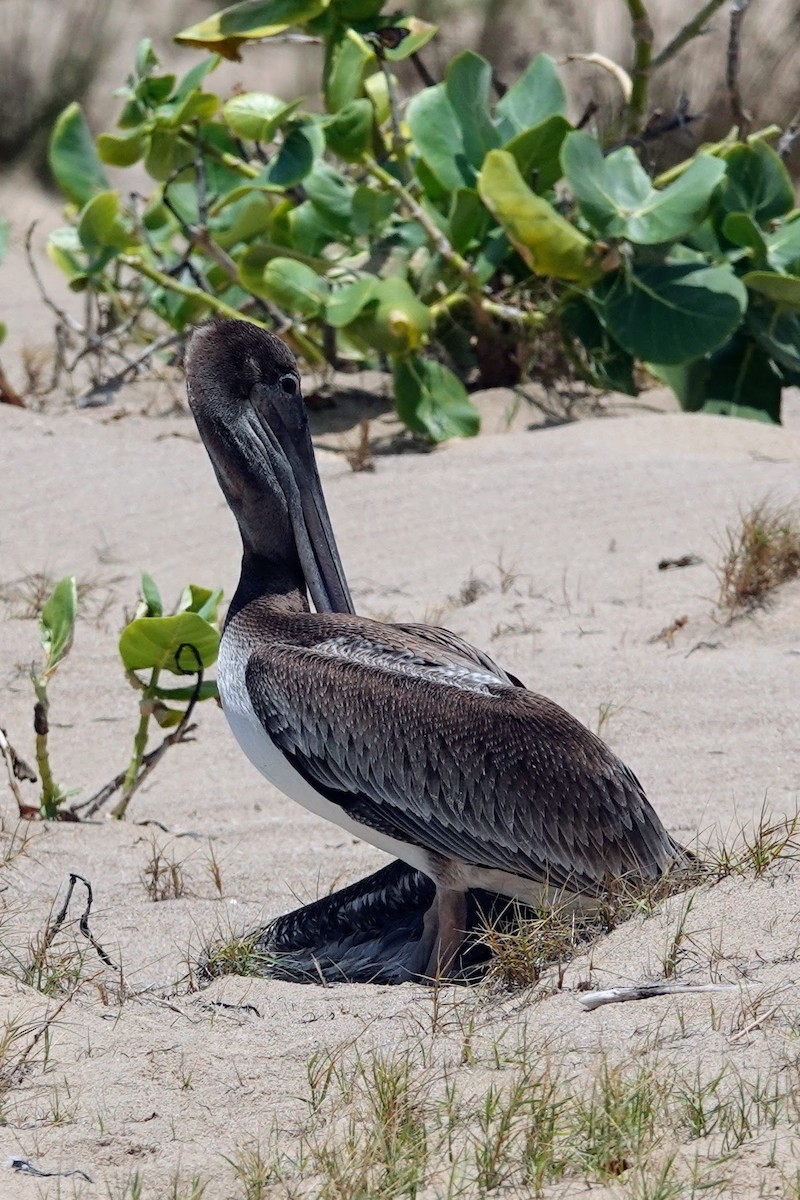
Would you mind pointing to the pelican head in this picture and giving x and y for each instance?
(244, 391)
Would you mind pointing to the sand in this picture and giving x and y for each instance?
(152, 1088)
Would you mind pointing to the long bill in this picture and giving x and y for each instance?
(292, 458)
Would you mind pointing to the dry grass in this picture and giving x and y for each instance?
(760, 552)
(163, 876)
(25, 597)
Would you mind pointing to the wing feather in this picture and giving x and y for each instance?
(435, 749)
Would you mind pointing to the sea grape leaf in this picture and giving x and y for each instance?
(151, 596)
(468, 84)
(349, 132)
(101, 225)
(57, 622)
(169, 643)
(394, 320)
(73, 159)
(536, 95)
(545, 240)
(617, 197)
(226, 31)
(537, 152)
(291, 284)
(431, 400)
(756, 182)
(437, 135)
(781, 289)
(347, 302)
(203, 601)
(671, 312)
(257, 116)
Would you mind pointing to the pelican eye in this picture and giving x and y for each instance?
(290, 385)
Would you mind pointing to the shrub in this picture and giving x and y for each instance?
(424, 238)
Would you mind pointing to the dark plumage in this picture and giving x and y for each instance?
(402, 733)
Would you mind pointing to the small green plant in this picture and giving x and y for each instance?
(183, 643)
(56, 630)
(460, 238)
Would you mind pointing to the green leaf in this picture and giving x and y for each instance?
(545, 240)
(741, 229)
(121, 151)
(537, 94)
(226, 31)
(371, 208)
(197, 106)
(73, 159)
(151, 596)
(57, 622)
(146, 59)
(778, 333)
(291, 284)
(468, 84)
(165, 154)
(203, 601)
(301, 147)
(431, 401)
(783, 246)
(347, 302)
(344, 77)
(756, 182)
(395, 320)
(782, 289)
(672, 312)
(163, 643)
(257, 116)
(537, 152)
(604, 363)
(738, 380)
(349, 132)
(65, 250)
(101, 225)
(617, 197)
(437, 134)
(419, 34)
(467, 219)
(331, 195)
(4, 230)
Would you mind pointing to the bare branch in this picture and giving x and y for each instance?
(690, 30)
(646, 991)
(83, 922)
(741, 117)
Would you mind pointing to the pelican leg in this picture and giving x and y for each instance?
(445, 924)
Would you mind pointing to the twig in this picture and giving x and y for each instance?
(646, 991)
(690, 30)
(26, 1167)
(661, 126)
(740, 116)
(83, 923)
(422, 70)
(790, 135)
(17, 768)
(113, 382)
(642, 32)
(438, 239)
(63, 316)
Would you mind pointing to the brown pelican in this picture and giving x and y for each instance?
(404, 735)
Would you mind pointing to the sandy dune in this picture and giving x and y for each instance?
(150, 1084)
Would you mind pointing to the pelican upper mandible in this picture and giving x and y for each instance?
(402, 734)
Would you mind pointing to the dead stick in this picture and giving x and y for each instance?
(83, 922)
(646, 991)
(741, 118)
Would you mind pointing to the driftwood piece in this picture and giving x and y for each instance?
(646, 991)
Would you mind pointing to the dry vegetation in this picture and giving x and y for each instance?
(760, 552)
